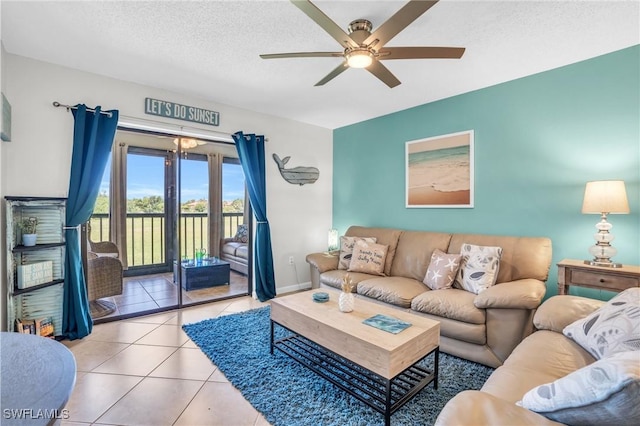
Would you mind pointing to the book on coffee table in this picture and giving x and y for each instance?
(387, 323)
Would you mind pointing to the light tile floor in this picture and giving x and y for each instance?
(146, 371)
(149, 292)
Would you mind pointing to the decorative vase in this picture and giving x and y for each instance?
(29, 240)
(346, 302)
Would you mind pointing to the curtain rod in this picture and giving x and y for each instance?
(132, 122)
(69, 107)
(148, 125)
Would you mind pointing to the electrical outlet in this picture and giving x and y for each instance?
(291, 262)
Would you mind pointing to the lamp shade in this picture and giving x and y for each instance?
(605, 196)
(333, 240)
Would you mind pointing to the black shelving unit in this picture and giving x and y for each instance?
(17, 291)
(21, 248)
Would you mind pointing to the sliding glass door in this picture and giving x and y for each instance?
(176, 208)
(149, 206)
(194, 205)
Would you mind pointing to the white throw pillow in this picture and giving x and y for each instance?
(603, 393)
(346, 249)
(614, 327)
(479, 266)
(442, 270)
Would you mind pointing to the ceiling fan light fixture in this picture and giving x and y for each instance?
(360, 58)
(186, 143)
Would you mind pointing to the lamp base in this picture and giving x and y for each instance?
(605, 264)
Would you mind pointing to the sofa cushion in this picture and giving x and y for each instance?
(542, 357)
(384, 236)
(522, 257)
(368, 258)
(231, 247)
(346, 249)
(473, 407)
(557, 312)
(479, 267)
(450, 303)
(413, 254)
(334, 278)
(442, 270)
(397, 291)
(615, 327)
(603, 393)
(242, 234)
(550, 352)
(463, 333)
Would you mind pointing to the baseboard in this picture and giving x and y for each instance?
(293, 288)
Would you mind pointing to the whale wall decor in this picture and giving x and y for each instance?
(296, 175)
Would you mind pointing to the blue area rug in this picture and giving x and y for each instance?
(287, 393)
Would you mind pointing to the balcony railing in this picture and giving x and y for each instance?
(146, 234)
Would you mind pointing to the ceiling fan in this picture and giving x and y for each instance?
(365, 49)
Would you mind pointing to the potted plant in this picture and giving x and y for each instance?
(28, 228)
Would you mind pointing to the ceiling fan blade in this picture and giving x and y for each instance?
(333, 74)
(325, 22)
(421, 53)
(376, 68)
(398, 22)
(303, 55)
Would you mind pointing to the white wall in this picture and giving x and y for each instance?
(37, 161)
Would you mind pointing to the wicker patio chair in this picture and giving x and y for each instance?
(104, 277)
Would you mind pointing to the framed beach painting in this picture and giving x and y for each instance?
(439, 171)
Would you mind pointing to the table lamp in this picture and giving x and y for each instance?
(603, 198)
(333, 240)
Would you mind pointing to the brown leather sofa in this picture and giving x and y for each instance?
(483, 328)
(544, 356)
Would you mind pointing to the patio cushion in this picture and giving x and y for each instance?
(242, 251)
(231, 247)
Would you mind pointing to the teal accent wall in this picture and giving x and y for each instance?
(538, 140)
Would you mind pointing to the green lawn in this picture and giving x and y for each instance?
(146, 237)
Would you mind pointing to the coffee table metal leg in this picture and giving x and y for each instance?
(387, 408)
(436, 366)
(271, 343)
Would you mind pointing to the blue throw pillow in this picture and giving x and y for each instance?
(242, 234)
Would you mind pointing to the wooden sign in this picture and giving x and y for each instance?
(181, 112)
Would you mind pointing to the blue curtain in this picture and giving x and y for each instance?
(251, 152)
(93, 135)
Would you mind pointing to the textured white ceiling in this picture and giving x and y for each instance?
(209, 49)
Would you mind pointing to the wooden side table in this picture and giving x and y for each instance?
(577, 273)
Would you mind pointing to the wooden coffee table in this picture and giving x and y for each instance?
(377, 367)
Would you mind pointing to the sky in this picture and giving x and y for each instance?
(145, 177)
